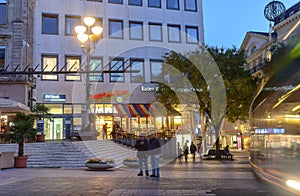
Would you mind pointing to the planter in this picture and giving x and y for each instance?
(131, 163)
(40, 138)
(99, 166)
(20, 162)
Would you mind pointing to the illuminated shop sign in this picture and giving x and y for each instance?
(54, 97)
(269, 130)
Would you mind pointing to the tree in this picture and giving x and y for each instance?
(215, 78)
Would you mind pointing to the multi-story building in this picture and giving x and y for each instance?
(16, 52)
(136, 35)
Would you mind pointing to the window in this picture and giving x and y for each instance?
(116, 64)
(71, 22)
(155, 32)
(135, 2)
(137, 65)
(154, 3)
(67, 108)
(73, 64)
(190, 5)
(116, 1)
(156, 71)
(50, 24)
(116, 29)
(2, 58)
(192, 34)
(49, 64)
(174, 33)
(3, 16)
(173, 4)
(95, 0)
(96, 64)
(136, 30)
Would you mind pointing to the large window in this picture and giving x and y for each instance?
(173, 4)
(190, 5)
(174, 33)
(136, 30)
(135, 2)
(116, 1)
(137, 65)
(3, 16)
(73, 64)
(71, 22)
(49, 64)
(154, 3)
(96, 64)
(116, 64)
(192, 34)
(155, 32)
(50, 24)
(156, 71)
(116, 29)
(2, 58)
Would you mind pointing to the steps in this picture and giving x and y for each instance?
(65, 154)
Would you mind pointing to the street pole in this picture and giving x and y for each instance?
(87, 80)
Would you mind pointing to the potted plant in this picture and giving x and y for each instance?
(100, 163)
(21, 129)
(40, 111)
(131, 162)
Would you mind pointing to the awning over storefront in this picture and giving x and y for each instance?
(11, 106)
(144, 110)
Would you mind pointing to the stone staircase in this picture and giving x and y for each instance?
(65, 154)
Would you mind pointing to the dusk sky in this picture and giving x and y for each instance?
(227, 22)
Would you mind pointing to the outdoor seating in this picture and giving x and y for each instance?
(6, 160)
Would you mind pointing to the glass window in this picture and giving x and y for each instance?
(136, 30)
(190, 5)
(3, 17)
(77, 109)
(2, 58)
(116, 1)
(192, 34)
(173, 4)
(73, 64)
(135, 2)
(116, 65)
(137, 65)
(49, 64)
(67, 109)
(77, 123)
(155, 32)
(95, 0)
(116, 29)
(154, 3)
(50, 24)
(96, 64)
(55, 108)
(71, 22)
(174, 33)
(156, 71)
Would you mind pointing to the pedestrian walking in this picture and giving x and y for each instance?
(185, 152)
(199, 150)
(154, 151)
(142, 146)
(193, 150)
(104, 131)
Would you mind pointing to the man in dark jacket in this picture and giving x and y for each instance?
(154, 151)
(193, 150)
(142, 154)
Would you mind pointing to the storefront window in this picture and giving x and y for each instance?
(67, 109)
(55, 108)
(77, 109)
(77, 123)
(159, 122)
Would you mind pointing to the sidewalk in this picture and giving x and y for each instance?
(211, 177)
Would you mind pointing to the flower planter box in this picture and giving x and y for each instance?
(99, 166)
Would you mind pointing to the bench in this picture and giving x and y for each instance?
(6, 160)
(213, 153)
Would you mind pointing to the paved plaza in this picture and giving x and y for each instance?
(209, 177)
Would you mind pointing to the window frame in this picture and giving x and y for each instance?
(172, 8)
(191, 10)
(4, 13)
(142, 30)
(75, 57)
(188, 35)
(96, 74)
(132, 60)
(150, 32)
(154, 6)
(122, 29)
(135, 4)
(151, 70)
(52, 56)
(116, 75)
(179, 32)
(115, 1)
(53, 16)
(72, 28)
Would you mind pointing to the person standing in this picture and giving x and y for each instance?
(193, 150)
(154, 151)
(142, 146)
(104, 131)
(185, 152)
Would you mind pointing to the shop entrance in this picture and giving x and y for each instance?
(54, 129)
(100, 121)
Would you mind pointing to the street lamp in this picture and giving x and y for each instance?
(88, 35)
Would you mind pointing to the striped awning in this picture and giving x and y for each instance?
(144, 110)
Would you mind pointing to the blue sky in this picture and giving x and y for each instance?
(227, 22)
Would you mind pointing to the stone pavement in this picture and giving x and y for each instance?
(209, 177)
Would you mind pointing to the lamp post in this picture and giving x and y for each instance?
(88, 35)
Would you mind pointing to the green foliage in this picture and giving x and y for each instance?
(40, 111)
